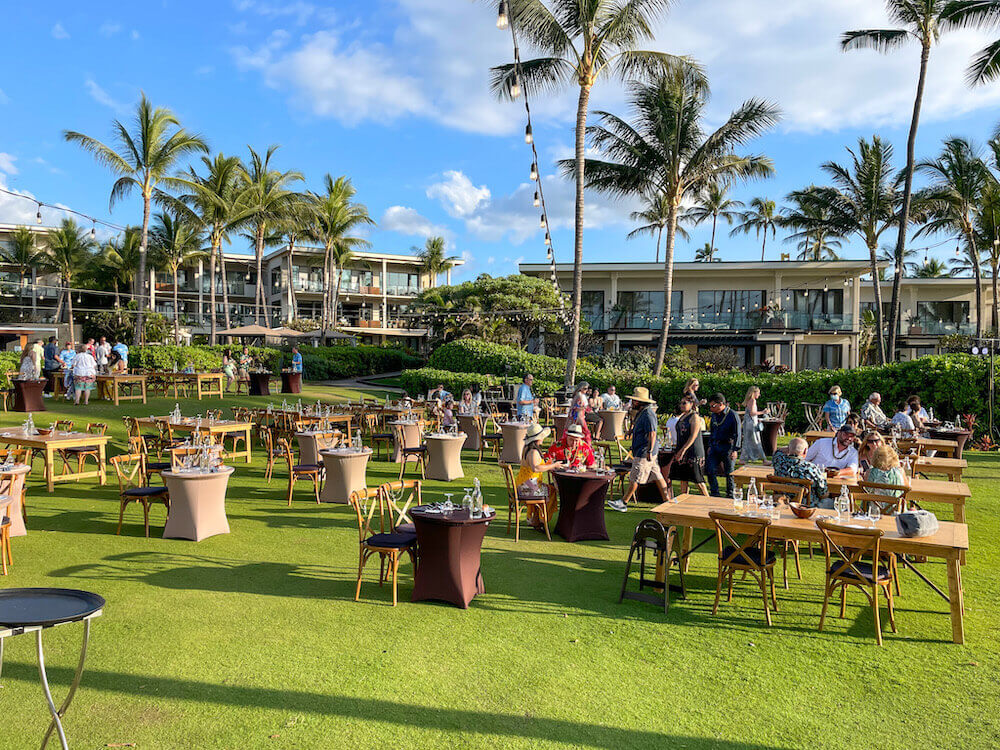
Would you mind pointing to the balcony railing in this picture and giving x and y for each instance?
(712, 321)
(936, 328)
(402, 291)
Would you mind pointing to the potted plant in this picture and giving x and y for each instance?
(915, 328)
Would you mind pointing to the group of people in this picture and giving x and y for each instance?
(909, 417)
(79, 364)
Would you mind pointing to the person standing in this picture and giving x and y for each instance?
(645, 451)
(836, 409)
(66, 357)
(296, 360)
(102, 354)
(722, 443)
(751, 448)
(688, 466)
(37, 356)
(50, 360)
(525, 401)
(122, 348)
(92, 349)
(26, 370)
(84, 374)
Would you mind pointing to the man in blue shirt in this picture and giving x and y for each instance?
(122, 350)
(645, 450)
(722, 444)
(296, 360)
(525, 400)
(66, 357)
(50, 364)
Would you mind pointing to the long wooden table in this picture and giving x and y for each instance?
(218, 429)
(49, 445)
(947, 447)
(313, 419)
(949, 467)
(205, 384)
(691, 512)
(109, 387)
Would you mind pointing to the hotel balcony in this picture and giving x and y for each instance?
(712, 321)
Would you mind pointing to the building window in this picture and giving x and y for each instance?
(818, 357)
(645, 309)
(942, 317)
(275, 280)
(593, 309)
(401, 283)
(732, 308)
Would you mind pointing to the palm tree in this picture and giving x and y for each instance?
(985, 65)
(761, 217)
(296, 223)
(21, 253)
(67, 254)
(815, 237)
(713, 203)
(336, 215)
(666, 149)
(144, 159)
(433, 260)
(933, 268)
(922, 20)
(910, 267)
(177, 243)
(653, 218)
(583, 40)
(213, 203)
(266, 201)
(959, 177)
(705, 254)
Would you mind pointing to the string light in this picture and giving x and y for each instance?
(535, 202)
(502, 21)
(528, 136)
(541, 222)
(534, 171)
(93, 232)
(515, 89)
(38, 216)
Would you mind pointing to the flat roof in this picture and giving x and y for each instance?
(732, 265)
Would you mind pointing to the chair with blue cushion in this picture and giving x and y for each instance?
(296, 471)
(133, 488)
(389, 545)
(742, 545)
(846, 549)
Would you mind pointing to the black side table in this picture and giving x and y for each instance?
(34, 610)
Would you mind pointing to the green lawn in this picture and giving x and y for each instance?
(253, 640)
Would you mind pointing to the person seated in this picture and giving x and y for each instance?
(791, 461)
(610, 400)
(530, 479)
(116, 364)
(573, 449)
(871, 412)
(448, 415)
(439, 394)
(854, 420)
(836, 409)
(885, 469)
(903, 422)
(871, 441)
(917, 413)
(837, 452)
(467, 407)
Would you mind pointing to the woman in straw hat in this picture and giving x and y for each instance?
(530, 477)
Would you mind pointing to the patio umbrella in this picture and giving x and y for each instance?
(246, 331)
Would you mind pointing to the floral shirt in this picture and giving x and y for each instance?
(581, 455)
(785, 465)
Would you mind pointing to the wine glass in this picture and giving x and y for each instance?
(738, 499)
(874, 513)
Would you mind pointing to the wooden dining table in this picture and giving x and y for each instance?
(939, 465)
(205, 384)
(49, 446)
(948, 448)
(951, 539)
(112, 387)
(218, 430)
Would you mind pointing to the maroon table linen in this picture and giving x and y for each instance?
(581, 505)
(449, 546)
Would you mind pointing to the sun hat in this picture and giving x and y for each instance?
(574, 430)
(536, 433)
(641, 393)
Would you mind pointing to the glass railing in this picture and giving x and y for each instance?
(937, 328)
(308, 285)
(402, 291)
(712, 321)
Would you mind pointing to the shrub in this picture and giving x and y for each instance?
(418, 382)
(473, 355)
(339, 362)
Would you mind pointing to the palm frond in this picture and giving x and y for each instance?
(880, 40)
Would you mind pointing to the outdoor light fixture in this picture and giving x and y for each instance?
(847, 282)
(541, 221)
(38, 216)
(528, 138)
(515, 89)
(548, 239)
(536, 202)
(502, 15)
(534, 171)
(826, 287)
(93, 232)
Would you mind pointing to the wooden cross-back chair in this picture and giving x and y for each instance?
(786, 493)
(312, 472)
(416, 453)
(274, 450)
(489, 437)
(134, 488)
(814, 415)
(516, 502)
(751, 555)
(398, 497)
(18, 455)
(845, 549)
(151, 468)
(890, 498)
(390, 545)
(82, 453)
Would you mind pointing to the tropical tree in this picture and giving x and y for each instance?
(933, 268)
(433, 260)
(985, 65)
(213, 201)
(705, 254)
(295, 224)
(265, 200)
(714, 203)
(117, 262)
(987, 223)
(21, 253)
(176, 243)
(582, 41)
(910, 266)
(337, 217)
(144, 159)
(922, 21)
(67, 253)
(760, 218)
(814, 235)
(959, 179)
(654, 217)
(666, 149)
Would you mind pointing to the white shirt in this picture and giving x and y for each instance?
(103, 352)
(904, 421)
(611, 401)
(671, 428)
(826, 455)
(84, 365)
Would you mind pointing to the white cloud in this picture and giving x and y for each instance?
(300, 12)
(409, 221)
(18, 210)
(109, 28)
(58, 32)
(7, 163)
(101, 96)
(204, 70)
(458, 195)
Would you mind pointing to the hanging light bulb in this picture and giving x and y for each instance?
(537, 201)
(958, 250)
(534, 171)
(548, 239)
(528, 137)
(38, 216)
(502, 15)
(93, 231)
(805, 293)
(826, 287)
(515, 89)
(925, 257)
(847, 282)
(541, 221)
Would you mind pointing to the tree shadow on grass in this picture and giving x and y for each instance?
(503, 726)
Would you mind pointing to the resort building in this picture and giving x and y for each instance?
(806, 315)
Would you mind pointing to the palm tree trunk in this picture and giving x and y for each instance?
(659, 234)
(978, 274)
(225, 293)
(711, 255)
(904, 210)
(336, 298)
(20, 289)
(259, 287)
(59, 306)
(668, 285)
(326, 293)
(177, 325)
(996, 302)
(292, 301)
(69, 308)
(213, 326)
(763, 246)
(574, 336)
(143, 246)
(877, 289)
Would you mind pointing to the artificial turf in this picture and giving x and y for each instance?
(253, 639)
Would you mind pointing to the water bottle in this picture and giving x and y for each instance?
(843, 504)
(358, 445)
(752, 493)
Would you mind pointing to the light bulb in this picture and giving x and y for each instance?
(847, 282)
(502, 15)
(826, 288)
(548, 239)
(93, 232)
(515, 89)
(536, 202)
(38, 216)
(534, 171)
(541, 221)
(528, 137)
(957, 250)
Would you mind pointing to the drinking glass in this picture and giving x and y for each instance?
(874, 513)
(738, 499)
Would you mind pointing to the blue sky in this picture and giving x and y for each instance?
(394, 94)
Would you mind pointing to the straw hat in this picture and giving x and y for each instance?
(574, 430)
(536, 433)
(642, 394)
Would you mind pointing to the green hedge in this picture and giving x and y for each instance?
(953, 384)
(418, 382)
(9, 362)
(164, 357)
